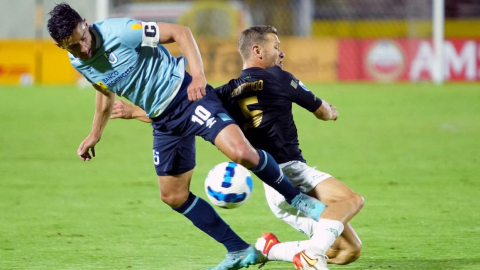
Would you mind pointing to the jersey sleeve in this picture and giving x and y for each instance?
(223, 92)
(134, 33)
(298, 92)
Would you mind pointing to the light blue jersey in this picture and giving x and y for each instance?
(129, 62)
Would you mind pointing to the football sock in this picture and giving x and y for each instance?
(269, 172)
(324, 235)
(326, 232)
(285, 251)
(204, 217)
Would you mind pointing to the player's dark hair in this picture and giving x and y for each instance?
(63, 21)
(255, 35)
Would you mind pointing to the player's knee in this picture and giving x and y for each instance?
(350, 255)
(357, 200)
(244, 155)
(353, 200)
(173, 199)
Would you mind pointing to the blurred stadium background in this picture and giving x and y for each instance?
(325, 40)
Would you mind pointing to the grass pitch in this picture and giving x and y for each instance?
(412, 151)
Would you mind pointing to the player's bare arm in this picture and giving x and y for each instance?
(185, 40)
(103, 108)
(125, 110)
(326, 112)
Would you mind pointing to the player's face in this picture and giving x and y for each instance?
(273, 55)
(79, 43)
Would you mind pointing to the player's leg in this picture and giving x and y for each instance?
(174, 159)
(231, 141)
(343, 204)
(345, 250)
(347, 247)
(174, 190)
(324, 186)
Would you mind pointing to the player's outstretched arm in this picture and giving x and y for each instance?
(326, 112)
(125, 110)
(103, 108)
(185, 40)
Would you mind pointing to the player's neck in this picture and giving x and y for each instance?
(94, 41)
(252, 64)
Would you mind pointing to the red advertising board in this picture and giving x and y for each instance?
(406, 60)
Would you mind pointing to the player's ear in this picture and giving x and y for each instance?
(85, 22)
(257, 51)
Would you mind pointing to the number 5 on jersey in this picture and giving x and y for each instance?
(255, 116)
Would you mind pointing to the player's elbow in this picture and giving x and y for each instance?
(184, 31)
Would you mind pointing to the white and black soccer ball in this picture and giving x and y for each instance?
(228, 185)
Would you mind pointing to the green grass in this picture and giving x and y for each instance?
(412, 151)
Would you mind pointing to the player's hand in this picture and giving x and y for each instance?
(334, 112)
(87, 146)
(122, 109)
(196, 89)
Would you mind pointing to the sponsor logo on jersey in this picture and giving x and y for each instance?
(116, 76)
(210, 122)
(294, 84)
(137, 26)
(303, 86)
(224, 117)
(112, 58)
(102, 85)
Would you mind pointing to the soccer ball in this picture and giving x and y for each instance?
(228, 185)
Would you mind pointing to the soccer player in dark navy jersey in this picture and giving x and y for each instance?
(260, 101)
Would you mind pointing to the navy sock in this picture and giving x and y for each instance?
(269, 172)
(204, 217)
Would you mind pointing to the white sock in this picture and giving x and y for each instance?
(325, 233)
(287, 250)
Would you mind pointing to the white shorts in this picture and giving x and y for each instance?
(305, 178)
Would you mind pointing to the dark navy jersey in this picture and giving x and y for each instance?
(260, 101)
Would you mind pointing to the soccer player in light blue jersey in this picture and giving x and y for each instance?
(125, 57)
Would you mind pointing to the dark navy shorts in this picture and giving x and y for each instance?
(175, 129)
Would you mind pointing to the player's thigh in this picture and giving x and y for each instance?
(332, 190)
(211, 121)
(173, 154)
(306, 178)
(231, 142)
(206, 118)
